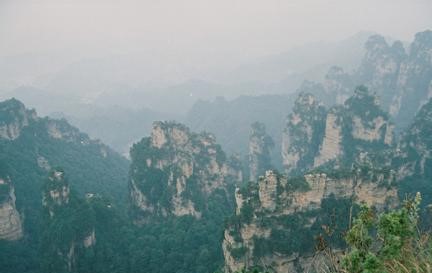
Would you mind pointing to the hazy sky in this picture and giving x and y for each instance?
(170, 41)
(236, 27)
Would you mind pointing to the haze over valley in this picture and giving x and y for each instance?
(215, 136)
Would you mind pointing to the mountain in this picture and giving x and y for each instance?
(115, 126)
(28, 141)
(181, 189)
(230, 120)
(341, 135)
(260, 149)
(31, 146)
(338, 160)
(77, 234)
(279, 219)
(176, 171)
(400, 77)
(412, 157)
(284, 71)
(10, 220)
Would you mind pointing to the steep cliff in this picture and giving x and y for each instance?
(401, 78)
(30, 147)
(414, 150)
(260, 147)
(10, 221)
(13, 118)
(56, 191)
(229, 120)
(412, 158)
(35, 144)
(69, 216)
(380, 67)
(174, 171)
(342, 135)
(279, 218)
(414, 79)
(303, 133)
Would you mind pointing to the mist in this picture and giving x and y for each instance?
(170, 42)
(156, 59)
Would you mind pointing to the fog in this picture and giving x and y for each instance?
(88, 49)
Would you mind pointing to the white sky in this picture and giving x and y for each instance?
(235, 28)
(166, 42)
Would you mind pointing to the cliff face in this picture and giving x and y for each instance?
(31, 145)
(260, 146)
(413, 156)
(400, 78)
(174, 171)
(71, 217)
(340, 134)
(56, 192)
(331, 147)
(10, 221)
(380, 66)
(14, 117)
(414, 79)
(303, 132)
(278, 218)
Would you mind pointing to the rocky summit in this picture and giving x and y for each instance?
(278, 219)
(260, 149)
(341, 135)
(174, 171)
(400, 75)
(10, 220)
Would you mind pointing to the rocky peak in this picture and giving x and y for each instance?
(305, 102)
(339, 134)
(401, 79)
(13, 118)
(398, 49)
(302, 133)
(174, 170)
(267, 192)
(377, 48)
(260, 146)
(380, 65)
(376, 43)
(361, 126)
(277, 220)
(56, 191)
(413, 80)
(422, 45)
(336, 84)
(10, 221)
(169, 133)
(413, 155)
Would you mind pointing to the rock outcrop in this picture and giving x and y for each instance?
(175, 170)
(14, 118)
(413, 156)
(331, 147)
(413, 79)
(338, 135)
(303, 131)
(10, 221)
(63, 210)
(56, 192)
(260, 146)
(401, 78)
(277, 219)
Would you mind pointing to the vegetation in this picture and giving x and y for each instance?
(387, 243)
